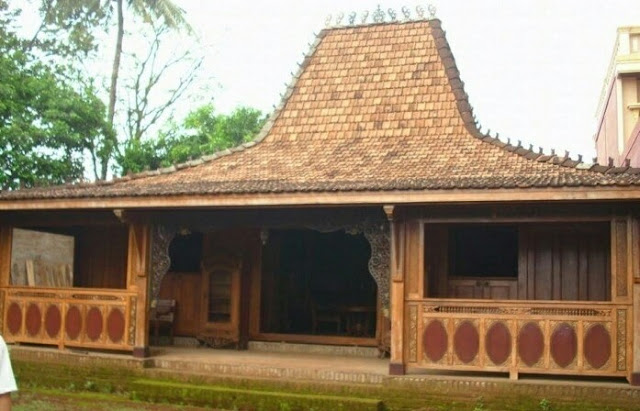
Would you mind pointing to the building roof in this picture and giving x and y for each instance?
(374, 107)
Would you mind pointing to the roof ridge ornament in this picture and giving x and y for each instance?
(432, 11)
(352, 18)
(380, 16)
(392, 14)
(365, 15)
(406, 12)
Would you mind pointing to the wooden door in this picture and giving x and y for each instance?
(500, 289)
(465, 288)
(483, 288)
(220, 307)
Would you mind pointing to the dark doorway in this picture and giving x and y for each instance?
(317, 283)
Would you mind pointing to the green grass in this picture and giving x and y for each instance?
(241, 398)
(126, 389)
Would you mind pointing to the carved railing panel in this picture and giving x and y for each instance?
(519, 336)
(69, 317)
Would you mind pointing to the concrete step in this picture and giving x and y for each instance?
(333, 350)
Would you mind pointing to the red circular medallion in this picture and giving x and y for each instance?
(94, 323)
(498, 343)
(434, 340)
(564, 345)
(597, 346)
(530, 344)
(14, 318)
(73, 321)
(33, 320)
(52, 321)
(115, 325)
(466, 341)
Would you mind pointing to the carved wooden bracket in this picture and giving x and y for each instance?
(160, 262)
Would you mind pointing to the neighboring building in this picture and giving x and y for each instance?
(370, 211)
(618, 136)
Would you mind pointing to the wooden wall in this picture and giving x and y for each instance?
(565, 262)
(186, 289)
(568, 262)
(101, 257)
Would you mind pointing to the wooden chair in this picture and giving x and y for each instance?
(163, 313)
(327, 315)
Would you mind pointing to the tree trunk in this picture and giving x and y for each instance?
(114, 83)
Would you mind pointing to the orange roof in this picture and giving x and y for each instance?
(374, 107)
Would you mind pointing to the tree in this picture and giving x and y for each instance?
(201, 132)
(45, 123)
(97, 13)
(146, 102)
(173, 17)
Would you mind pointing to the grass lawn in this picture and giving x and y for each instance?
(47, 386)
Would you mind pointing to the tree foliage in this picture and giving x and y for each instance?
(202, 132)
(45, 123)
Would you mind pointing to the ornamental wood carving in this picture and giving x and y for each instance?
(160, 262)
(133, 303)
(413, 333)
(620, 239)
(622, 340)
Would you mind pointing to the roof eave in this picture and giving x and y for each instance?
(345, 198)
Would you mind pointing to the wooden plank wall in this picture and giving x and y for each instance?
(101, 257)
(436, 260)
(570, 262)
(565, 262)
(186, 289)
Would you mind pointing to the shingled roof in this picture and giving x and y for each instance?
(373, 108)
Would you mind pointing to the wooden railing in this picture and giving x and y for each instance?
(584, 338)
(78, 317)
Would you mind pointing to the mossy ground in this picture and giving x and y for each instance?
(125, 389)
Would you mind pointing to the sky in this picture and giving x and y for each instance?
(533, 69)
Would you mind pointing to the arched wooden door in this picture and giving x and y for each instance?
(220, 313)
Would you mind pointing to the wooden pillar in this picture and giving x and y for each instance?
(5, 267)
(5, 255)
(138, 279)
(396, 362)
(634, 374)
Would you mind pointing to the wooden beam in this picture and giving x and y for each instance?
(332, 198)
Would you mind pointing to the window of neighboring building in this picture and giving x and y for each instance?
(634, 41)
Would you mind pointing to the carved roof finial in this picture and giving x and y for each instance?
(378, 15)
(392, 14)
(406, 12)
(364, 17)
(432, 10)
(352, 18)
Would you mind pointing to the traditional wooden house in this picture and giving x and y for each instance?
(370, 211)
